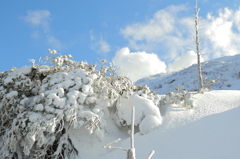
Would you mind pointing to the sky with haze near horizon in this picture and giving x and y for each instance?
(142, 37)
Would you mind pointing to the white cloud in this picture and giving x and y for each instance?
(224, 32)
(38, 18)
(169, 34)
(98, 44)
(103, 46)
(187, 59)
(41, 19)
(138, 64)
(165, 31)
(161, 24)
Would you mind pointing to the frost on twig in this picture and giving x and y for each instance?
(183, 99)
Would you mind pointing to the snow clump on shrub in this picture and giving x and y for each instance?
(182, 99)
(40, 103)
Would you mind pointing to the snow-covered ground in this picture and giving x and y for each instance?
(210, 130)
(225, 71)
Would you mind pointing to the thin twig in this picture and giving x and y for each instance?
(151, 154)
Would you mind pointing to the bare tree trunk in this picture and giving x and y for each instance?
(198, 48)
(131, 151)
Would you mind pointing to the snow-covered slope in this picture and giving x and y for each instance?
(225, 71)
(211, 130)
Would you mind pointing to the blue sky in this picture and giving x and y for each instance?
(147, 35)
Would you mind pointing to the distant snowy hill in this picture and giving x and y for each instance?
(225, 70)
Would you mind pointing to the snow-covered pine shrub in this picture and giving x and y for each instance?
(182, 99)
(208, 85)
(40, 103)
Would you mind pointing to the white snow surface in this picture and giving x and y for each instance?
(210, 130)
(225, 71)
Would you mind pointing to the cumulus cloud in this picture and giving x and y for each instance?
(224, 32)
(38, 18)
(138, 64)
(169, 34)
(185, 60)
(161, 24)
(98, 44)
(165, 31)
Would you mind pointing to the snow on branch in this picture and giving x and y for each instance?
(40, 104)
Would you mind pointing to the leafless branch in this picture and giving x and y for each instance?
(209, 53)
(151, 154)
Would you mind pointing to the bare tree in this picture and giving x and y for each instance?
(197, 43)
(203, 85)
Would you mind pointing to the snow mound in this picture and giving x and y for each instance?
(206, 104)
(210, 130)
(149, 123)
(147, 114)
